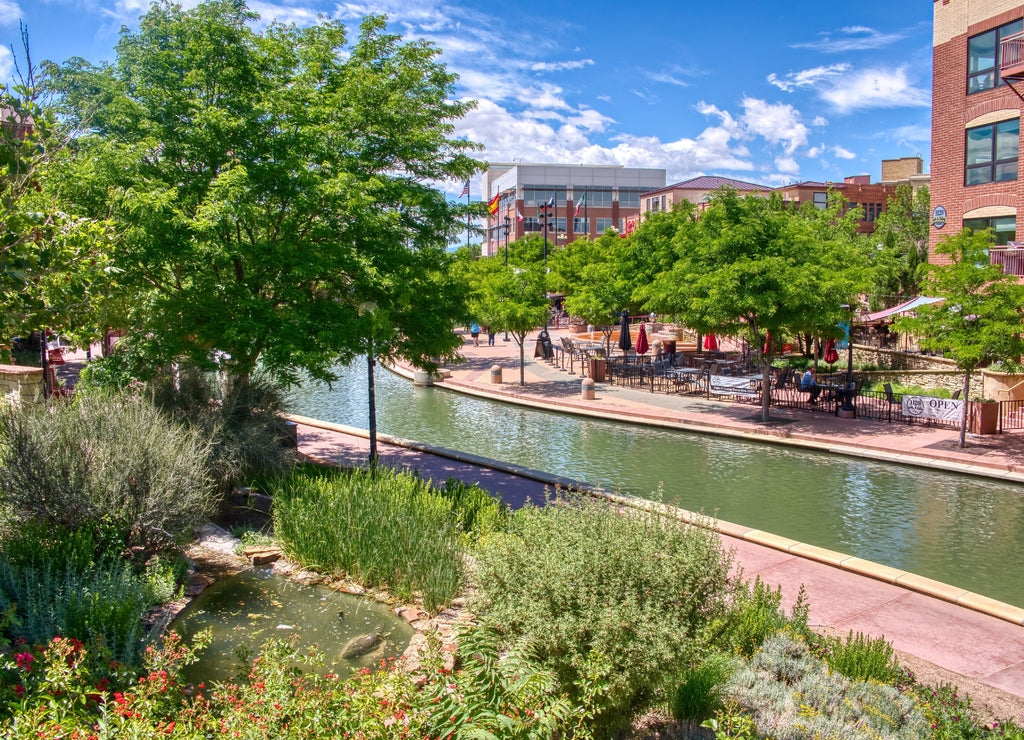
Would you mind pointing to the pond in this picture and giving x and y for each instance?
(247, 609)
(952, 528)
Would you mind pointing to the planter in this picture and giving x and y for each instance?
(984, 417)
(1002, 386)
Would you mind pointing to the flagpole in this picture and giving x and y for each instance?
(586, 212)
(467, 216)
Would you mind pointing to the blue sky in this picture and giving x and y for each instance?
(771, 93)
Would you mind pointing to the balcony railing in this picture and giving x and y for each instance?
(1010, 257)
(1011, 56)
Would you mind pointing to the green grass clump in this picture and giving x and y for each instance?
(384, 528)
(609, 599)
(701, 688)
(861, 658)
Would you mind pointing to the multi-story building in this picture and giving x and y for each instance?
(858, 190)
(695, 190)
(977, 82)
(905, 171)
(585, 200)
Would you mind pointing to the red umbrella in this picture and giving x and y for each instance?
(641, 341)
(711, 343)
(830, 356)
(767, 342)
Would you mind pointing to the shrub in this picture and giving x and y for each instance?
(112, 461)
(792, 695)
(384, 528)
(241, 419)
(861, 658)
(701, 688)
(756, 614)
(608, 599)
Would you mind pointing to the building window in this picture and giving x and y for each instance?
(821, 201)
(538, 195)
(663, 202)
(531, 224)
(603, 224)
(629, 198)
(1004, 228)
(580, 226)
(983, 52)
(991, 152)
(597, 197)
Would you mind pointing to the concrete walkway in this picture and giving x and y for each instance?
(963, 633)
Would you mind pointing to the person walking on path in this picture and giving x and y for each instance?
(474, 331)
(490, 335)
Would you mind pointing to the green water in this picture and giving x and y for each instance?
(961, 530)
(245, 610)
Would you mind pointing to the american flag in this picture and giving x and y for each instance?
(465, 190)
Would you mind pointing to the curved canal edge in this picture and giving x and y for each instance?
(859, 566)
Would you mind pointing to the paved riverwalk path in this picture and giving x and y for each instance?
(963, 634)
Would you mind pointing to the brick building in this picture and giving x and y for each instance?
(872, 198)
(977, 78)
(606, 195)
(695, 190)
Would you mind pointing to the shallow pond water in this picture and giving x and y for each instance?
(245, 610)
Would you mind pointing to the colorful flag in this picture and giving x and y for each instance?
(550, 203)
(519, 214)
(579, 204)
(465, 190)
(492, 205)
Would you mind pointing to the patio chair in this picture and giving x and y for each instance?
(890, 399)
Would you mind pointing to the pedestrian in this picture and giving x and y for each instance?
(809, 385)
(490, 335)
(474, 331)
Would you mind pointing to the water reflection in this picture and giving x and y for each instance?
(960, 530)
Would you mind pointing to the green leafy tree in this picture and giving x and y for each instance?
(509, 298)
(900, 242)
(750, 267)
(591, 275)
(269, 183)
(50, 257)
(980, 319)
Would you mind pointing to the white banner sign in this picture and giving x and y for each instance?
(929, 407)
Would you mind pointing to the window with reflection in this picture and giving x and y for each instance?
(983, 57)
(1004, 228)
(991, 152)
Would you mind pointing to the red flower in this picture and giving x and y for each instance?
(19, 691)
(24, 661)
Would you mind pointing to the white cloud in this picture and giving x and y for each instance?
(6, 63)
(807, 78)
(276, 12)
(10, 13)
(843, 153)
(850, 38)
(876, 88)
(560, 66)
(777, 123)
(819, 121)
(671, 75)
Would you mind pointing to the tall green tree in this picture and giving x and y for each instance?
(749, 267)
(509, 298)
(900, 242)
(50, 257)
(980, 319)
(269, 183)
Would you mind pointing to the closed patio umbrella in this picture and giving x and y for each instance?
(711, 343)
(625, 340)
(641, 341)
(830, 356)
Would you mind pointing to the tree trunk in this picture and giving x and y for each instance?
(766, 388)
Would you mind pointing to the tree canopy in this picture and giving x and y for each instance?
(267, 183)
(979, 320)
(750, 267)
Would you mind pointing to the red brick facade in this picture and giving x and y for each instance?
(954, 111)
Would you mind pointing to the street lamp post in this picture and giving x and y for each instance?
(508, 226)
(368, 307)
(848, 395)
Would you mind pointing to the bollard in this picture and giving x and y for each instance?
(496, 374)
(588, 389)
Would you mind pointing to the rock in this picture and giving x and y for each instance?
(262, 555)
(359, 646)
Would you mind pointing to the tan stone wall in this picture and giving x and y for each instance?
(19, 383)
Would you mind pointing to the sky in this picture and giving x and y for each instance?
(769, 93)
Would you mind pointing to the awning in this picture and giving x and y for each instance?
(904, 307)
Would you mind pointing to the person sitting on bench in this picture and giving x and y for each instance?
(809, 385)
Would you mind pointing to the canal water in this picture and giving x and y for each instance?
(965, 531)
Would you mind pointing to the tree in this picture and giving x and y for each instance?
(510, 298)
(750, 267)
(50, 257)
(979, 320)
(591, 275)
(900, 242)
(269, 183)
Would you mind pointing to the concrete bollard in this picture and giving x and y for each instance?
(496, 374)
(588, 389)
